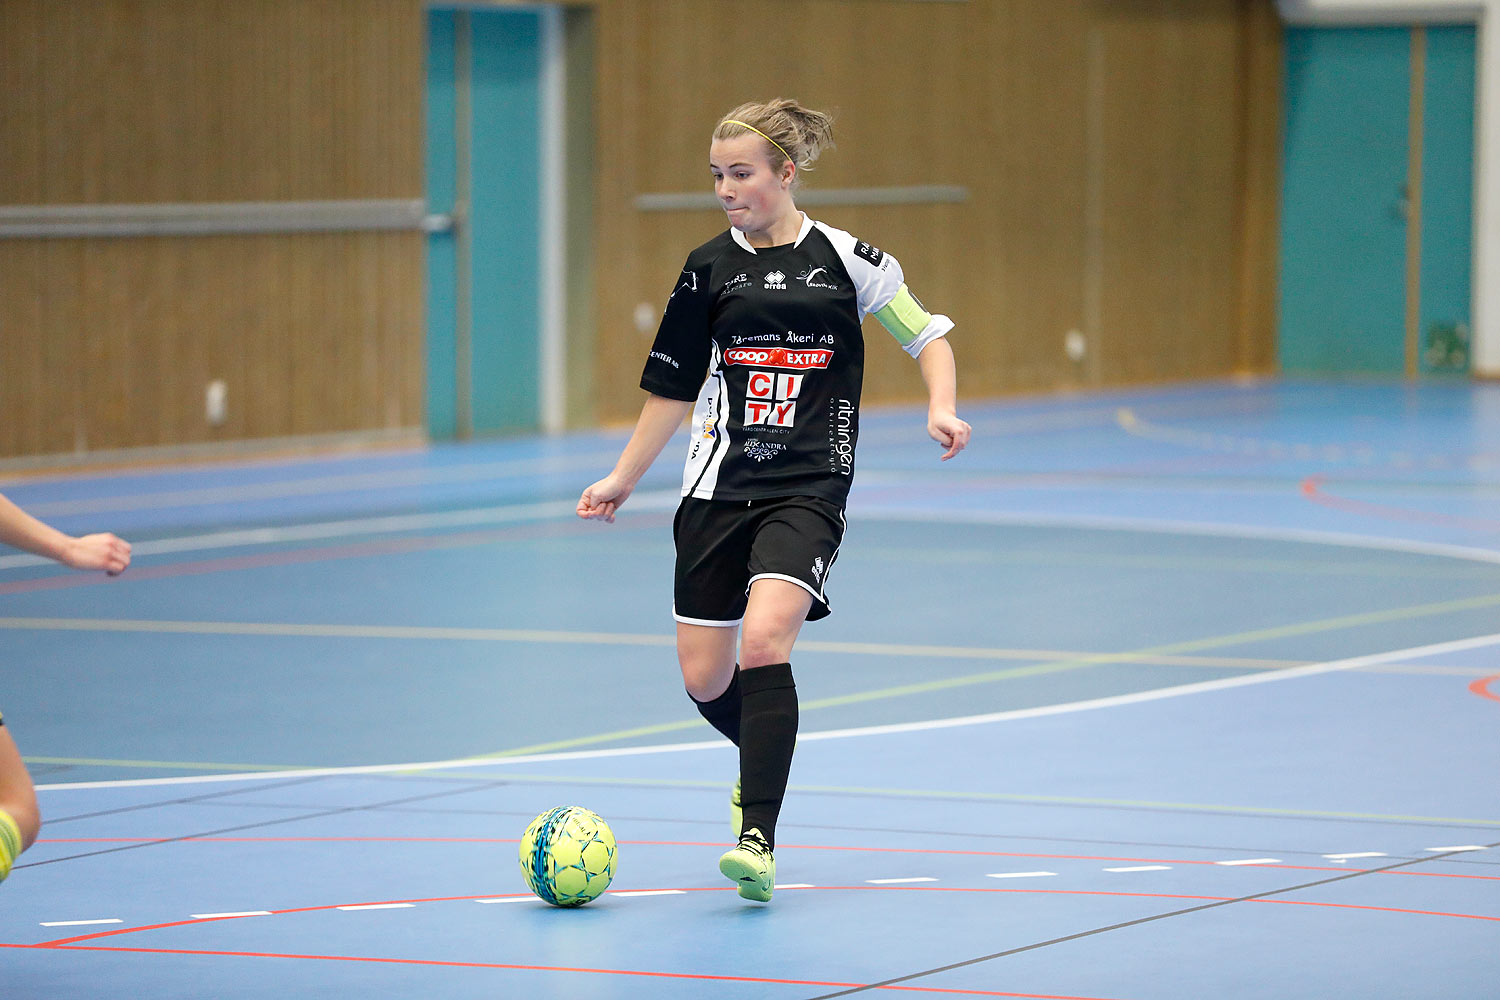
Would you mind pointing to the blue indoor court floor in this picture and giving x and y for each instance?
(1174, 693)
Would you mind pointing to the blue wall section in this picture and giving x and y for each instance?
(441, 307)
(504, 220)
(1447, 186)
(1343, 245)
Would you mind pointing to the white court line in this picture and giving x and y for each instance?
(379, 906)
(1462, 847)
(653, 892)
(900, 881)
(80, 923)
(1142, 868)
(1250, 861)
(354, 527)
(1115, 701)
(219, 916)
(506, 899)
(1021, 875)
(1356, 854)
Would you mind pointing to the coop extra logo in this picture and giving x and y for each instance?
(779, 357)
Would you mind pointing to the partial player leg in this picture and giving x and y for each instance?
(768, 728)
(20, 819)
(703, 653)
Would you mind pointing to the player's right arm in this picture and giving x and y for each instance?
(101, 551)
(658, 422)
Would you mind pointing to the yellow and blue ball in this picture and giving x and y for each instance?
(568, 855)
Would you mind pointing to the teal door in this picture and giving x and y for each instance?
(1348, 196)
(485, 100)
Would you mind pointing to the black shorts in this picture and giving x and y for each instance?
(723, 546)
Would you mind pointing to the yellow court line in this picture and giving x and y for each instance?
(1072, 663)
(183, 765)
(1011, 797)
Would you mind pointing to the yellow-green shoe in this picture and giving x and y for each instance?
(736, 809)
(751, 866)
(10, 843)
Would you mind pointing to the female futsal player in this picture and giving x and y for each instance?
(19, 817)
(763, 330)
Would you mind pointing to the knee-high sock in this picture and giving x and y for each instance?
(723, 712)
(10, 843)
(768, 735)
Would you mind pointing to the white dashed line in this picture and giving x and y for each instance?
(242, 913)
(507, 899)
(1356, 854)
(1462, 847)
(378, 906)
(80, 923)
(1250, 861)
(795, 885)
(651, 892)
(899, 881)
(1020, 874)
(1142, 868)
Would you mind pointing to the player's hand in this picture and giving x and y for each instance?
(102, 551)
(949, 431)
(601, 500)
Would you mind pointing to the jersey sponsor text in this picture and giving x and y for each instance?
(778, 357)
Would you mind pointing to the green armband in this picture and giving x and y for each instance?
(904, 317)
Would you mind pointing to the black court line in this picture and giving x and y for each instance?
(1137, 922)
(260, 825)
(52, 821)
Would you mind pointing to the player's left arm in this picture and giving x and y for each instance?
(940, 372)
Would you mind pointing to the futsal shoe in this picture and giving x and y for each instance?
(736, 809)
(751, 866)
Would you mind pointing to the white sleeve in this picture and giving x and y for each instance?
(880, 286)
(877, 275)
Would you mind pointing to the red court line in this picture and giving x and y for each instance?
(97, 935)
(1481, 687)
(1312, 489)
(701, 977)
(285, 557)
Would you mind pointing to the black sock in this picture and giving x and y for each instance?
(768, 735)
(723, 712)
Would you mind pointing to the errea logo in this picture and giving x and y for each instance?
(776, 280)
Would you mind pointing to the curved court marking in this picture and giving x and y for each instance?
(1312, 489)
(663, 500)
(1484, 687)
(1114, 701)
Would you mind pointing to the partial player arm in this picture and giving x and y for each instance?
(940, 372)
(101, 551)
(659, 420)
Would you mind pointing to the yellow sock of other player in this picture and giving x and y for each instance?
(10, 843)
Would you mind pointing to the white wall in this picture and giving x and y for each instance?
(1486, 276)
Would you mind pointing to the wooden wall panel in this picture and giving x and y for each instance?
(110, 343)
(115, 341)
(215, 100)
(1111, 149)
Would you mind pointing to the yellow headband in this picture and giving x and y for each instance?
(732, 121)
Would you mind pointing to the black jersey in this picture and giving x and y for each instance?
(769, 343)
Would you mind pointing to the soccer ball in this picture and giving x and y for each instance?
(568, 855)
